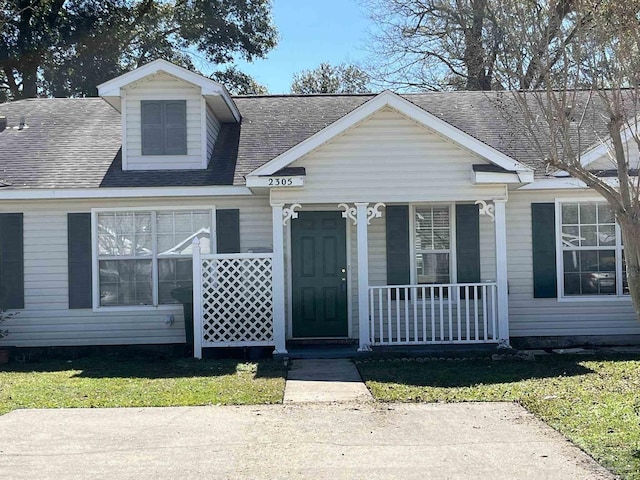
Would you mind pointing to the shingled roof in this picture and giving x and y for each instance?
(76, 143)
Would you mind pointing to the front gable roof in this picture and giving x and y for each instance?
(410, 110)
(215, 93)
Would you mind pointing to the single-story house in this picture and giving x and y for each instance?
(386, 219)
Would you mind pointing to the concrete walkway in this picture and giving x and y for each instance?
(334, 380)
(314, 441)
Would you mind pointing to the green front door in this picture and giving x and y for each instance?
(319, 275)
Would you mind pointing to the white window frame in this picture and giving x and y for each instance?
(619, 296)
(453, 270)
(95, 276)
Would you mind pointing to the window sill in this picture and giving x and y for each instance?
(137, 308)
(602, 298)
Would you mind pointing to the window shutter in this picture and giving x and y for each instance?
(175, 127)
(468, 243)
(152, 118)
(543, 227)
(79, 259)
(228, 231)
(11, 261)
(398, 252)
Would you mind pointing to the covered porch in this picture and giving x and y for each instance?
(307, 289)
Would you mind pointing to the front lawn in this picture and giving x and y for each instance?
(594, 401)
(143, 381)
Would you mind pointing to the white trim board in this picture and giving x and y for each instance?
(565, 183)
(122, 192)
(605, 147)
(403, 106)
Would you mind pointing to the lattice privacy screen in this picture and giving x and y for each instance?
(237, 304)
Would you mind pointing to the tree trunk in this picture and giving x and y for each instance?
(29, 72)
(630, 228)
(474, 54)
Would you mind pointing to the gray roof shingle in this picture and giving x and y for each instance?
(76, 143)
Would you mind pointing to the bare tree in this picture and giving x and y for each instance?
(468, 44)
(596, 102)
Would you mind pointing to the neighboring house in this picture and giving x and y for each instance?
(390, 219)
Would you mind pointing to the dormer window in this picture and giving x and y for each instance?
(164, 127)
(171, 116)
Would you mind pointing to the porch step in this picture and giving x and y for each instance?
(298, 342)
(321, 351)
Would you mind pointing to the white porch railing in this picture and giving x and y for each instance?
(233, 300)
(433, 314)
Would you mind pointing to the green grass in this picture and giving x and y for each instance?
(117, 381)
(594, 401)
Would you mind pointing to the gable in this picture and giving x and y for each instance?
(388, 157)
(410, 110)
(601, 157)
(162, 83)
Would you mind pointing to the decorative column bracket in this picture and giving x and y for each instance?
(487, 209)
(374, 212)
(290, 212)
(349, 212)
(352, 214)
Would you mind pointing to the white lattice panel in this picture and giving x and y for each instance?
(237, 308)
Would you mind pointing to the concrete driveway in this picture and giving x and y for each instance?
(332, 441)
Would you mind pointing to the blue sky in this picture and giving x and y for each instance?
(311, 32)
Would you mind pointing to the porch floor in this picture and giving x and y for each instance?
(351, 351)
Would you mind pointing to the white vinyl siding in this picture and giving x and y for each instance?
(47, 320)
(162, 87)
(530, 316)
(213, 128)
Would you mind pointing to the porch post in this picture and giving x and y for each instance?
(363, 278)
(197, 299)
(501, 272)
(278, 286)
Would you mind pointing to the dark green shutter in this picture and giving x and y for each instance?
(152, 119)
(175, 127)
(11, 261)
(79, 259)
(468, 243)
(228, 231)
(543, 231)
(398, 252)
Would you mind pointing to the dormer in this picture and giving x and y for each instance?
(170, 116)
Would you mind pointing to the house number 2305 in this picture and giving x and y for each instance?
(280, 182)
